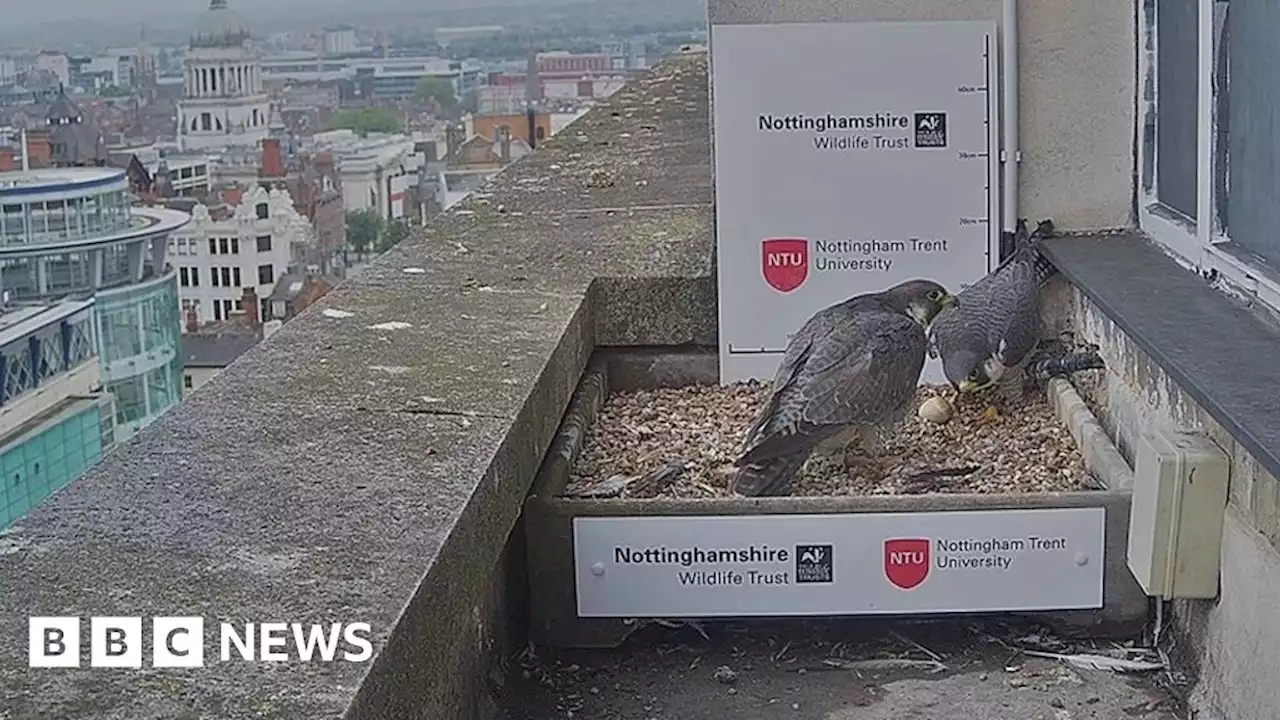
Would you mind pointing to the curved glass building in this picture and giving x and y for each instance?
(71, 234)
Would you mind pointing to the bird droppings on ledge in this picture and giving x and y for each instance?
(681, 442)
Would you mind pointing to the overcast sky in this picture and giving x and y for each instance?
(139, 10)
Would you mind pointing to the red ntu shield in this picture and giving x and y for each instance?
(906, 561)
(785, 262)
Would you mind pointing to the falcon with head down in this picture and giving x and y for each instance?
(987, 339)
(851, 372)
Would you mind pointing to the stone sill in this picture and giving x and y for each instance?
(1218, 352)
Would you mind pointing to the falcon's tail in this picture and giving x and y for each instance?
(1029, 243)
(769, 477)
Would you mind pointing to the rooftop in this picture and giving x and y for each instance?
(216, 350)
(370, 459)
(306, 481)
(22, 181)
(219, 26)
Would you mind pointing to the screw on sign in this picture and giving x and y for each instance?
(785, 262)
(906, 561)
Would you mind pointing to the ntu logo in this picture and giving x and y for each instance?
(906, 561)
(179, 642)
(785, 262)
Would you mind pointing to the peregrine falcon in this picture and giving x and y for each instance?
(851, 370)
(985, 340)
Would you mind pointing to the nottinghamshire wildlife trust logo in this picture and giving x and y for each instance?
(814, 564)
(931, 130)
(906, 561)
(785, 262)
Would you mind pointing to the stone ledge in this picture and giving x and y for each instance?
(1186, 327)
(341, 471)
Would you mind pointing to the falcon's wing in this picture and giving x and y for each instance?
(1014, 302)
(876, 374)
(782, 410)
(861, 371)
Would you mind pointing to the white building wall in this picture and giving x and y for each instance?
(56, 63)
(190, 253)
(339, 42)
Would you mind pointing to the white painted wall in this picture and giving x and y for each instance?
(189, 250)
(1077, 89)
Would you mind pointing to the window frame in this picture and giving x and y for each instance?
(1202, 245)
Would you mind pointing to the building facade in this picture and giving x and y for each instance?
(55, 421)
(223, 101)
(225, 250)
(71, 233)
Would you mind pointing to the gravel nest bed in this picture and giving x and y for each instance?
(1025, 449)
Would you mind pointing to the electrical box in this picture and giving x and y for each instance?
(1175, 522)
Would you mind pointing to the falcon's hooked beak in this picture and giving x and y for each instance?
(967, 386)
(949, 300)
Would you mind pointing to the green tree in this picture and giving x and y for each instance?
(395, 232)
(439, 92)
(364, 228)
(366, 120)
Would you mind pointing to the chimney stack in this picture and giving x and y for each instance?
(533, 82)
(249, 300)
(8, 160)
(193, 320)
(272, 159)
(504, 143)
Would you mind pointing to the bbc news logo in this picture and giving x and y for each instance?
(177, 642)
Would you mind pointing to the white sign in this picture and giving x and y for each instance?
(733, 566)
(848, 157)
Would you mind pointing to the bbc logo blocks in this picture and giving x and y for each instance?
(116, 642)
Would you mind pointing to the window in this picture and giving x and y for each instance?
(222, 245)
(1248, 138)
(235, 273)
(195, 277)
(186, 382)
(235, 246)
(213, 246)
(264, 243)
(264, 309)
(1176, 107)
(217, 311)
(263, 211)
(1210, 148)
(213, 276)
(183, 277)
(266, 274)
(226, 277)
(226, 308)
(240, 304)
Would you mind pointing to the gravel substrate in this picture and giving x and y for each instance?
(637, 434)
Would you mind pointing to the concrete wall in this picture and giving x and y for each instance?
(1077, 85)
(1230, 645)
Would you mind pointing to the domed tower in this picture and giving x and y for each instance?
(223, 102)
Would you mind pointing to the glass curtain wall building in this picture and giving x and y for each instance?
(70, 236)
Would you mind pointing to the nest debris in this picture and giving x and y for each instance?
(682, 442)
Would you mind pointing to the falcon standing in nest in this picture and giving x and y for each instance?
(850, 372)
(987, 339)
